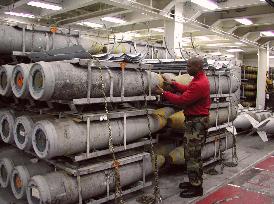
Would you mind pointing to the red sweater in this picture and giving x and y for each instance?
(195, 97)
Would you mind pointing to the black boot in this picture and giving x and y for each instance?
(192, 191)
(184, 185)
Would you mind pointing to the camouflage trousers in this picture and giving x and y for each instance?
(194, 140)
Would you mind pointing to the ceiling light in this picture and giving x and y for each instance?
(160, 30)
(271, 57)
(45, 5)
(268, 33)
(133, 34)
(114, 20)
(186, 40)
(25, 15)
(215, 53)
(244, 21)
(229, 56)
(206, 4)
(234, 50)
(214, 44)
(89, 24)
(238, 43)
(203, 38)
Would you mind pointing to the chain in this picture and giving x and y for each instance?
(157, 196)
(116, 164)
(234, 157)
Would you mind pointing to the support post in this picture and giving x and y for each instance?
(263, 68)
(174, 31)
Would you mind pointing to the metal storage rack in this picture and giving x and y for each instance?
(78, 171)
(89, 117)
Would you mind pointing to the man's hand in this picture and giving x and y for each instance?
(166, 80)
(159, 90)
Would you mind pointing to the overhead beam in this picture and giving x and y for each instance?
(136, 6)
(13, 6)
(210, 18)
(264, 40)
(139, 26)
(242, 30)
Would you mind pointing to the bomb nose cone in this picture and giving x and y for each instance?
(6, 128)
(41, 81)
(19, 80)
(3, 80)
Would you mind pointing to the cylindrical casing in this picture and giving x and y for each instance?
(260, 116)
(269, 127)
(242, 123)
(165, 112)
(11, 39)
(216, 83)
(58, 187)
(8, 162)
(177, 155)
(222, 115)
(22, 130)
(7, 122)
(19, 80)
(52, 138)
(65, 81)
(177, 120)
(224, 83)
(22, 174)
(5, 80)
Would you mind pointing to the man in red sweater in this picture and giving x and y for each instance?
(195, 100)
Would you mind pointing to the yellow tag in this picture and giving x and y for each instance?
(35, 193)
(53, 29)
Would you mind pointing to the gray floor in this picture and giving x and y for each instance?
(250, 150)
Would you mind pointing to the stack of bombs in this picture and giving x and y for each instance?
(175, 154)
(50, 137)
(249, 85)
(63, 80)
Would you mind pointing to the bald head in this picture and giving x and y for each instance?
(194, 65)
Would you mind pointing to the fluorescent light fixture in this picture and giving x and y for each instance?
(244, 21)
(114, 20)
(132, 34)
(206, 4)
(89, 24)
(230, 56)
(24, 15)
(186, 40)
(238, 43)
(45, 5)
(268, 33)
(234, 50)
(215, 53)
(159, 30)
(203, 38)
(215, 44)
(271, 57)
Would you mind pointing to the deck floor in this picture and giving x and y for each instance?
(252, 181)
